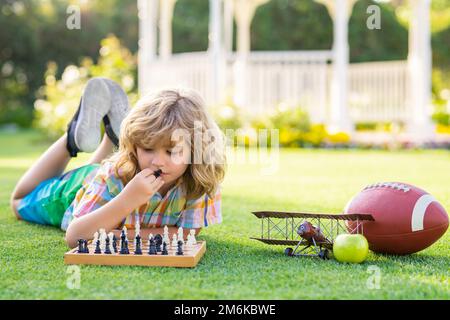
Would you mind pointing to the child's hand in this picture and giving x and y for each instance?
(141, 188)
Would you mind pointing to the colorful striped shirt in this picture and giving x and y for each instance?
(173, 209)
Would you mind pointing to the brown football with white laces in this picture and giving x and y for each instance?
(407, 218)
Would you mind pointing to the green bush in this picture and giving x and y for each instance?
(59, 99)
(293, 124)
(442, 118)
(441, 96)
(228, 115)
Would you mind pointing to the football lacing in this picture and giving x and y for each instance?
(393, 185)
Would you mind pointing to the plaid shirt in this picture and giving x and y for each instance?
(102, 185)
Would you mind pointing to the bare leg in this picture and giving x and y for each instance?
(104, 150)
(51, 164)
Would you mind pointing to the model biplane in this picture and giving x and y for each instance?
(312, 234)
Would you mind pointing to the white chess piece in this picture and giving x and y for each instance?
(103, 236)
(94, 241)
(192, 237)
(166, 237)
(180, 234)
(137, 227)
(111, 236)
(174, 240)
(189, 241)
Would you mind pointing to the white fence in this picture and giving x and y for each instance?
(378, 91)
(193, 70)
(292, 78)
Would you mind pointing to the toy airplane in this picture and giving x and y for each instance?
(312, 234)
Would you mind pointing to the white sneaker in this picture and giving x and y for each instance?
(83, 131)
(119, 109)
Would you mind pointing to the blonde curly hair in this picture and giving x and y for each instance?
(152, 122)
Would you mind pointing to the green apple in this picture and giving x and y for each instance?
(350, 248)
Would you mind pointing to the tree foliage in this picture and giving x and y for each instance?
(34, 33)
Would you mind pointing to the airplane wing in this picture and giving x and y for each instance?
(284, 215)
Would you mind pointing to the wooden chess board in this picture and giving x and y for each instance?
(190, 258)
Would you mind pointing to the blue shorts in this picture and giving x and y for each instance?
(47, 203)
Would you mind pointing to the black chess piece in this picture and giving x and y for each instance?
(180, 248)
(114, 244)
(152, 247)
(158, 242)
(85, 246)
(137, 249)
(107, 249)
(164, 249)
(127, 250)
(97, 247)
(157, 173)
(124, 246)
(80, 246)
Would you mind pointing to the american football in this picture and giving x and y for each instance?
(407, 218)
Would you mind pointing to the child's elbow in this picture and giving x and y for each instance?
(70, 238)
(70, 242)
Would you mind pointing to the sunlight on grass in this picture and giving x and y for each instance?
(234, 266)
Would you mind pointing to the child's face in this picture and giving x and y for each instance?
(171, 160)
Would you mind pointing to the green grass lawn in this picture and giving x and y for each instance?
(235, 267)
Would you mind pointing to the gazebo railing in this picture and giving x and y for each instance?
(294, 78)
(191, 69)
(378, 91)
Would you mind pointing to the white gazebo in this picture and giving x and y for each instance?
(332, 90)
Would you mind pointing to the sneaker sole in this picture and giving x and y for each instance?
(120, 106)
(95, 105)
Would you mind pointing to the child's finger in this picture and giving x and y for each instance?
(150, 177)
(155, 181)
(160, 184)
(146, 172)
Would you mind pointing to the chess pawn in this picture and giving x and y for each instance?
(137, 249)
(158, 241)
(80, 246)
(179, 248)
(174, 240)
(107, 246)
(152, 247)
(164, 251)
(192, 236)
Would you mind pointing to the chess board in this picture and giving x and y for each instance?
(190, 258)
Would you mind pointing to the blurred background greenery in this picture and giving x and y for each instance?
(44, 65)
